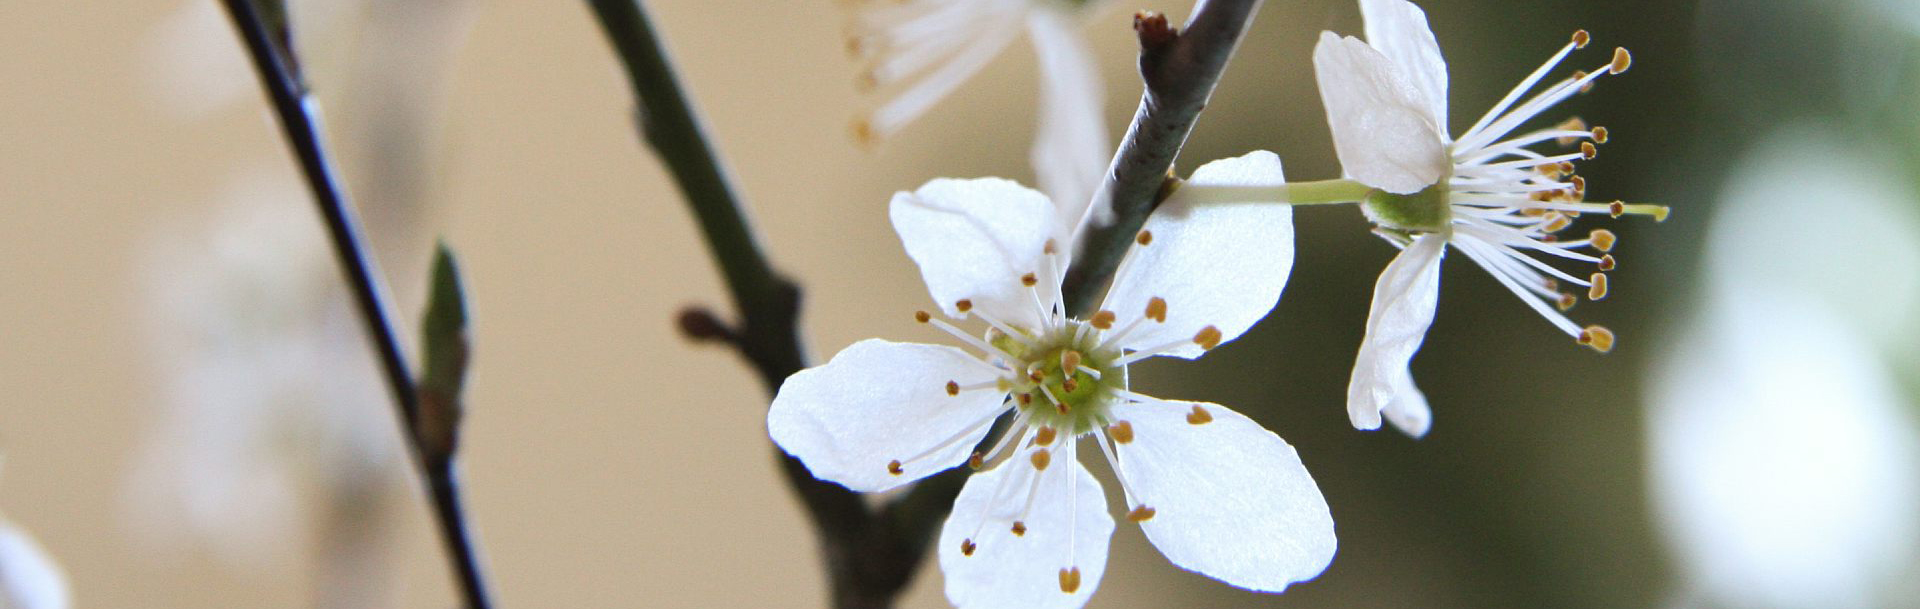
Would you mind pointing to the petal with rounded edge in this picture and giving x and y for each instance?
(1398, 29)
(1220, 264)
(877, 402)
(1231, 500)
(1381, 129)
(973, 240)
(1067, 526)
(1403, 304)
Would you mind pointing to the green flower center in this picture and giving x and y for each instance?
(1061, 382)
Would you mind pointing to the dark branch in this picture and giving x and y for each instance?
(272, 60)
(1180, 70)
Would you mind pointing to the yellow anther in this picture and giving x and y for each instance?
(1029, 280)
(1620, 61)
(967, 547)
(921, 316)
(1579, 183)
(1140, 514)
(1602, 239)
(1041, 458)
(1069, 361)
(1588, 150)
(1606, 262)
(1556, 222)
(1533, 212)
(1567, 301)
(1044, 436)
(1062, 407)
(1580, 39)
(1024, 398)
(1102, 320)
(1050, 248)
(1207, 338)
(1157, 309)
(1599, 135)
(1145, 237)
(963, 305)
(1019, 528)
(976, 461)
(893, 467)
(1566, 167)
(1601, 339)
(1571, 124)
(1617, 209)
(1069, 384)
(1121, 432)
(863, 132)
(1198, 415)
(953, 388)
(1070, 579)
(1599, 288)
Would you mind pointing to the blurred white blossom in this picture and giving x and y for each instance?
(1784, 459)
(29, 578)
(931, 47)
(1212, 489)
(270, 399)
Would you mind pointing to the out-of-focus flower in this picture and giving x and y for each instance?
(269, 392)
(1783, 457)
(1214, 491)
(29, 579)
(1495, 200)
(931, 47)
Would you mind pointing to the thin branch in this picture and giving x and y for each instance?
(870, 557)
(273, 62)
(1180, 70)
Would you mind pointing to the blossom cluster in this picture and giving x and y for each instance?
(1213, 490)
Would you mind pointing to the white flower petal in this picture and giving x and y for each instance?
(974, 239)
(1068, 526)
(29, 579)
(1382, 130)
(1070, 149)
(1403, 302)
(1216, 264)
(1398, 29)
(1231, 499)
(881, 401)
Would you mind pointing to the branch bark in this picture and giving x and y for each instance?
(1180, 69)
(272, 56)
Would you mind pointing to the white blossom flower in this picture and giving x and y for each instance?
(1495, 200)
(1213, 490)
(29, 578)
(931, 47)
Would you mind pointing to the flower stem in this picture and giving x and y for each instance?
(1321, 192)
(272, 59)
(1180, 71)
(870, 554)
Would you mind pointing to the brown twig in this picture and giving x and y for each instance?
(1180, 70)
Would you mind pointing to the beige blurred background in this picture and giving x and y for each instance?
(608, 462)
